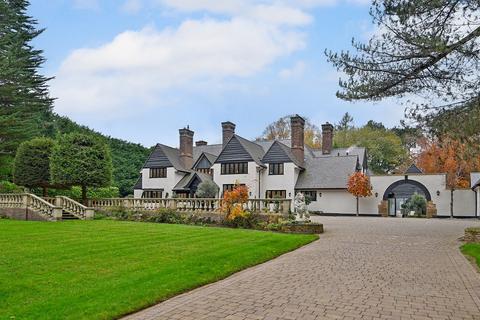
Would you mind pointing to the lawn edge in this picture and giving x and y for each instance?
(224, 278)
(470, 258)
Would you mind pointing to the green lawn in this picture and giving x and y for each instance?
(104, 269)
(472, 250)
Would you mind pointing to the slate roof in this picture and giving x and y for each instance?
(413, 169)
(255, 150)
(321, 171)
(476, 184)
(326, 172)
(184, 183)
(164, 156)
(352, 151)
(211, 149)
(287, 151)
(139, 184)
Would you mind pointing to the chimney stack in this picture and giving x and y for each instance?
(201, 143)
(327, 138)
(186, 147)
(228, 130)
(297, 125)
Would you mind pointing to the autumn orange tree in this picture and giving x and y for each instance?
(452, 157)
(359, 185)
(233, 201)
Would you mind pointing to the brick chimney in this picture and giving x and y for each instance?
(327, 138)
(201, 143)
(186, 147)
(228, 130)
(297, 125)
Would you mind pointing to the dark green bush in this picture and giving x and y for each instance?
(9, 187)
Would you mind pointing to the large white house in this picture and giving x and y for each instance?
(281, 168)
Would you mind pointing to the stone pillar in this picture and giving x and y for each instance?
(327, 138)
(383, 208)
(89, 214)
(431, 209)
(297, 130)
(57, 213)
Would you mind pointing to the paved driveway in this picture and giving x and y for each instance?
(361, 268)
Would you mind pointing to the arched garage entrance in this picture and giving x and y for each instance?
(400, 191)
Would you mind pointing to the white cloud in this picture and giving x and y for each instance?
(132, 6)
(136, 67)
(295, 71)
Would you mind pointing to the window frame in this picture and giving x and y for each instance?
(158, 173)
(308, 193)
(276, 169)
(231, 168)
(152, 194)
(230, 186)
(271, 194)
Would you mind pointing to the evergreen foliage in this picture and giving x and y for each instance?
(32, 163)
(385, 150)
(81, 160)
(207, 189)
(422, 48)
(24, 100)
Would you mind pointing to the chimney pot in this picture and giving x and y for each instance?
(228, 130)
(201, 143)
(186, 147)
(327, 138)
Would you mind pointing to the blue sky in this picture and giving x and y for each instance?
(141, 69)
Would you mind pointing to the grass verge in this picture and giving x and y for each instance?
(104, 269)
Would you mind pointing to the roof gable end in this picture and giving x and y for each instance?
(158, 158)
(234, 151)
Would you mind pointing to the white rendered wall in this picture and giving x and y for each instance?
(285, 182)
(167, 184)
(137, 193)
(250, 179)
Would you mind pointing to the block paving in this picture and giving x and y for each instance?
(361, 268)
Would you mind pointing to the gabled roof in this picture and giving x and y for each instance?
(139, 184)
(278, 152)
(186, 181)
(326, 172)
(212, 149)
(164, 156)
(210, 157)
(476, 184)
(238, 148)
(413, 169)
(255, 150)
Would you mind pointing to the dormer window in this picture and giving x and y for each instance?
(275, 169)
(158, 172)
(235, 168)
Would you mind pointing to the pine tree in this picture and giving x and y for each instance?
(25, 103)
(424, 48)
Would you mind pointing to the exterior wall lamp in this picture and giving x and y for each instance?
(376, 194)
(438, 193)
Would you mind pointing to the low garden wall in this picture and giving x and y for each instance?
(257, 221)
(21, 214)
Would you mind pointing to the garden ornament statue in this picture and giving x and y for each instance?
(301, 211)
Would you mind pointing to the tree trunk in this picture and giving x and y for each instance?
(451, 203)
(84, 195)
(357, 207)
(45, 192)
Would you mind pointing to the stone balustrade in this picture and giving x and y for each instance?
(75, 208)
(268, 206)
(15, 203)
